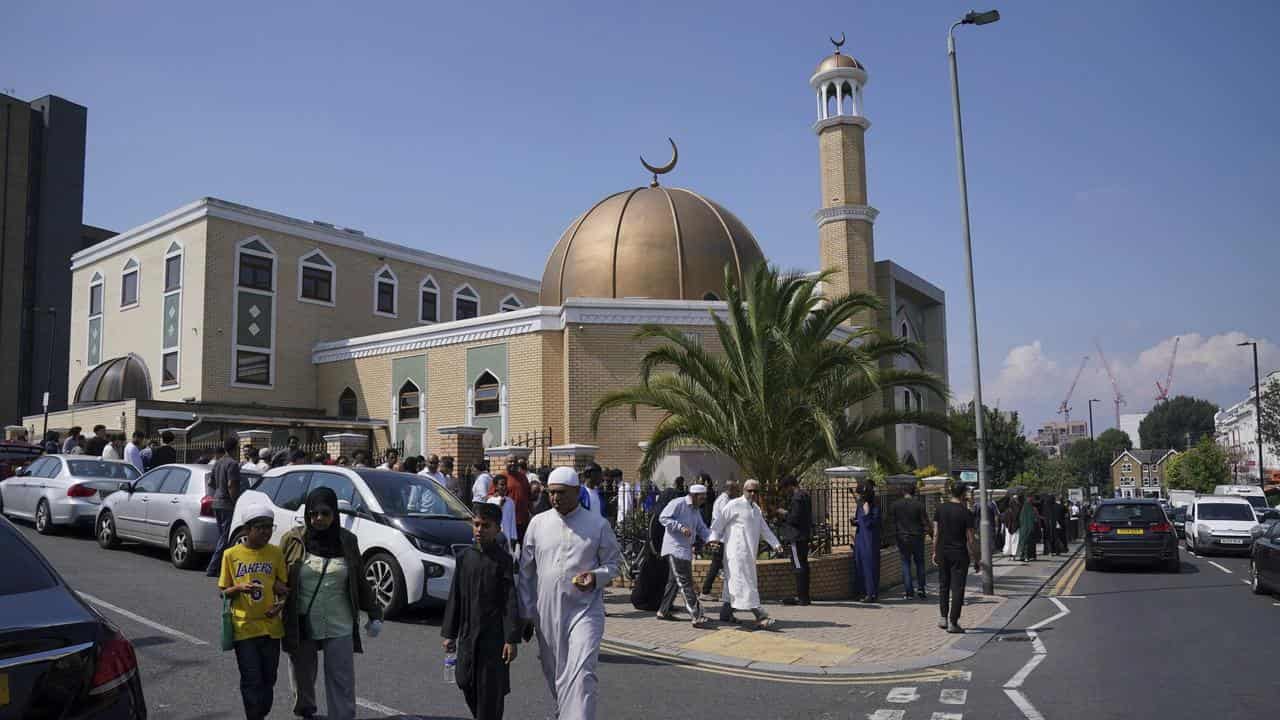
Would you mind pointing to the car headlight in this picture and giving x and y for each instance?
(427, 546)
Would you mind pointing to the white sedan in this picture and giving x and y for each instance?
(63, 490)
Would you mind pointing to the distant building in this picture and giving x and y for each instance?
(1140, 473)
(1236, 429)
(41, 200)
(1053, 437)
(1129, 423)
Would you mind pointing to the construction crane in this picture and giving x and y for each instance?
(1065, 408)
(1115, 386)
(1162, 391)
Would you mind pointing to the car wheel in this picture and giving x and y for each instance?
(44, 520)
(107, 537)
(387, 581)
(1255, 582)
(181, 552)
(237, 537)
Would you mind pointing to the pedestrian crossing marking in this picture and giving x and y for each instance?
(951, 696)
(887, 715)
(902, 695)
(946, 716)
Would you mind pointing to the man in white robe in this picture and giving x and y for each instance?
(739, 527)
(568, 557)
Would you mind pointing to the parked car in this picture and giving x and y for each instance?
(1220, 523)
(59, 658)
(63, 489)
(409, 527)
(1129, 530)
(1264, 560)
(167, 507)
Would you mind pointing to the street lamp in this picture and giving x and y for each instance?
(984, 527)
(1257, 407)
(1091, 402)
(48, 378)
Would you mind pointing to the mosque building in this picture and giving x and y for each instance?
(219, 319)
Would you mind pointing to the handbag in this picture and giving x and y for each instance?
(228, 625)
(306, 617)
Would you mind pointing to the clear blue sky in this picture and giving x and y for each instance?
(1122, 155)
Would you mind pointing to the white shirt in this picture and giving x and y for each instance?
(596, 506)
(109, 452)
(133, 456)
(481, 487)
(508, 516)
(437, 476)
(249, 465)
(383, 466)
(627, 495)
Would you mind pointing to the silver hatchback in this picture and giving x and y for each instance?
(63, 490)
(167, 507)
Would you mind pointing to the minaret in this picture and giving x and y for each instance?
(845, 218)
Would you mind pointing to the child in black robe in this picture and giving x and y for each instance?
(481, 618)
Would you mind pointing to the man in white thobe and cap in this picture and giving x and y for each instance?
(569, 556)
(739, 527)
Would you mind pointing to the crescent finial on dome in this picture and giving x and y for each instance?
(664, 169)
(838, 43)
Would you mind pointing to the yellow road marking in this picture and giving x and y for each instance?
(927, 675)
(1072, 568)
(1075, 578)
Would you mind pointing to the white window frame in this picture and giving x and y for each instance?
(333, 277)
(97, 281)
(395, 291)
(1127, 467)
(475, 296)
(430, 285)
(269, 351)
(131, 266)
(175, 250)
(510, 303)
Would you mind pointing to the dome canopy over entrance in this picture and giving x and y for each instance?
(122, 378)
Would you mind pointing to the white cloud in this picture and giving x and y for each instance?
(1034, 383)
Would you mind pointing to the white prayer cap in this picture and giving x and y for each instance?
(563, 476)
(264, 454)
(751, 485)
(257, 511)
(698, 489)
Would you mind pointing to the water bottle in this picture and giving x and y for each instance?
(450, 662)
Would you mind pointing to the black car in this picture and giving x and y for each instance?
(1264, 562)
(1131, 530)
(58, 657)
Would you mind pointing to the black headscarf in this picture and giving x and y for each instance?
(324, 543)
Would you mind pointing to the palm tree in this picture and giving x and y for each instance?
(796, 388)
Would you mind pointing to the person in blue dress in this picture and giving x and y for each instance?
(866, 543)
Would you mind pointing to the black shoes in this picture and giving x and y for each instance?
(942, 623)
(922, 595)
(795, 601)
(955, 629)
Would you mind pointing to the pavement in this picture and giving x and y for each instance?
(837, 638)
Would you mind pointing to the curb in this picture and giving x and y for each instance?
(961, 649)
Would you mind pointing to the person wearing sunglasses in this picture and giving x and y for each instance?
(739, 528)
(322, 614)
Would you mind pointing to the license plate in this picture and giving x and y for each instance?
(4, 689)
(1129, 531)
(1231, 541)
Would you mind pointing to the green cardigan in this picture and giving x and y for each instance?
(361, 595)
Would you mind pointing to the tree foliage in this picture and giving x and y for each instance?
(1271, 416)
(1007, 450)
(1171, 423)
(1091, 459)
(1049, 475)
(796, 387)
(1199, 469)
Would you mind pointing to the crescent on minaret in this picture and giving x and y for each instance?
(663, 169)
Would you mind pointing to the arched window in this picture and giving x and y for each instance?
(509, 303)
(384, 292)
(428, 301)
(129, 284)
(347, 404)
(410, 401)
(316, 277)
(466, 303)
(711, 296)
(486, 394)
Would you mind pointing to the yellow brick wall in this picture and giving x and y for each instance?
(842, 158)
(108, 414)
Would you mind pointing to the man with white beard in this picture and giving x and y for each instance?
(739, 527)
(568, 557)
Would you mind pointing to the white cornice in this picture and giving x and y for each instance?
(264, 220)
(842, 73)
(865, 213)
(830, 122)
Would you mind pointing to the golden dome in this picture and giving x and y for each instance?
(838, 60)
(651, 242)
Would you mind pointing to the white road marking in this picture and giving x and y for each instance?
(1036, 643)
(139, 619)
(964, 676)
(902, 695)
(1021, 676)
(946, 716)
(887, 715)
(1073, 597)
(1029, 711)
(377, 707)
(1048, 620)
(1219, 567)
(951, 696)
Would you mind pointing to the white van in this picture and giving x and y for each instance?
(1252, 493)
(1220, 523)
(1181, 498)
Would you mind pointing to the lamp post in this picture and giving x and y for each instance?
(1257, 408)
(1091, 402)
(984, 526)
(48, 378)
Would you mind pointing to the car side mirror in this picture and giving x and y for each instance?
(22, 472)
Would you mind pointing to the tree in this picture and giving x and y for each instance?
(1199, 469)
(1114, 441)
(1271, 416)
(1007, 449)
(1171, 423)
(796, 388)
(1091, 459)
(1048, 475)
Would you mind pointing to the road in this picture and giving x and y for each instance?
(1137, 645)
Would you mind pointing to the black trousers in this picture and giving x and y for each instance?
(259, 660)
(800, 566)
(486, 694)
(717, 564)
(680, 578)
(952, 572)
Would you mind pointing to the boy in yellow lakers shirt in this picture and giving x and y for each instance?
(254, 577)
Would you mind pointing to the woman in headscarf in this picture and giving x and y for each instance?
(1010, 518)
(1027, 520)
(866, 543)
(322, 616)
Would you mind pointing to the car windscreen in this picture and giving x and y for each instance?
(102, 469)
(405, 494)
(1135, 512)
(1224, 511)
(1257, 501)
(24, 571)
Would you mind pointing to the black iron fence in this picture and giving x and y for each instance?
(539, 444)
